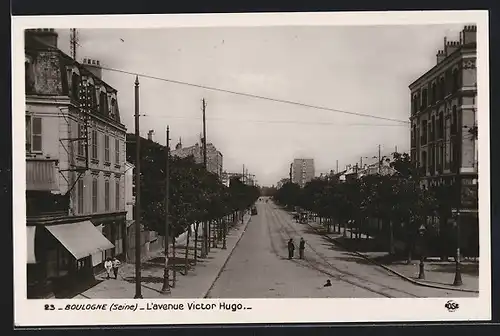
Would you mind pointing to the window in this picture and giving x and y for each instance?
(117, 194)
(423, 137)
(117, 151)
(424, 98)
(106, 195)
(94, 195)
(440, 126)
(106, 148)
(28, 76)
(33, 134)
(80, 196)
(456, 80)
(113, 108)
(28, 133)
(75, 86)
(95, 141)
(103, 103)
(454, 120)
(80, 143)
(433, 94)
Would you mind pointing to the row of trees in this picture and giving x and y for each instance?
(393, 208)
(196, 195)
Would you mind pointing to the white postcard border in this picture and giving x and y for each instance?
(32, 312)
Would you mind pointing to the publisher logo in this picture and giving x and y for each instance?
(451, 306)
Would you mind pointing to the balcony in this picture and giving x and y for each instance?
(41, 175)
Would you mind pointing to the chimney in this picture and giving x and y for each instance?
(46, 35)
(93, 66)
(440, 56)
(469, 35)
(150, 135)
(450, 47)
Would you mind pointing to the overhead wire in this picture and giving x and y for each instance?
(277, 100)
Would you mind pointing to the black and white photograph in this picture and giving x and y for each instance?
(213, 161)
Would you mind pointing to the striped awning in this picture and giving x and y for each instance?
(30, 244)
(41, 175)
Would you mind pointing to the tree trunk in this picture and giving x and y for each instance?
(174, 268)
(196, 227)
(391, 238)
(186, 256)
(209, 238)
(215, 233)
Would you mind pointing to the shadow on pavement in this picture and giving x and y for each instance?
(471, 269)
(76, 289)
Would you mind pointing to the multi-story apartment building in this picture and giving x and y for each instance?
(75, 156)
(302, 171)
(214, 157)
(444, 121)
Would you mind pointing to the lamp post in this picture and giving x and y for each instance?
(421, 271)
(458, 272)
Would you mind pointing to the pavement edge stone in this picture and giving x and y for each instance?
(415, 282)
(245, 225)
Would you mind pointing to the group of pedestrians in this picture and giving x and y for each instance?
(291, 248)
(111, 266)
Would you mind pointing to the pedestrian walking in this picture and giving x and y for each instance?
(108, 266)
(291, 248)
(302, 246)
(116, 265)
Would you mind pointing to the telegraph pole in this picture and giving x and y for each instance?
(337, 167)
(73, 40)
(166, 285)
(138, 294)
(205, 225)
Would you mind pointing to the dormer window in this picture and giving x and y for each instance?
(75, 86)
(103, 104)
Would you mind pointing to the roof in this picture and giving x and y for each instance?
(453, 56)
(32, 43)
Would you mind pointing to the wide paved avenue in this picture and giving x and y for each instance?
(259, 266)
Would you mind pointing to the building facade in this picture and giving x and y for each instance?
(444, 124)
(75, 162)
(214, 157)
(302, 171)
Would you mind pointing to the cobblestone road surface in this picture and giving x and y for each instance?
(259, 268)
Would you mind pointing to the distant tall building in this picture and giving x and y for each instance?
(302, 171)
(214, 157)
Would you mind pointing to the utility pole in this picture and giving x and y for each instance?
(138, 294)
(73, 40)
(361, 162)
(379, 162)
(205, 225)
(166, 285)
(337, 167)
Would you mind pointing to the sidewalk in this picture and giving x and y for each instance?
(195, 284)
(438, 274)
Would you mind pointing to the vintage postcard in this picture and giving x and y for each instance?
(251, 168)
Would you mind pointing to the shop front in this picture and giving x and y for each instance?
(63, 257)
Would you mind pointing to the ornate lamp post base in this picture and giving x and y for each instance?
(458, 275)
(421, 272)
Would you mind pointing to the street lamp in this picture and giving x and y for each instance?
(421, 272)
(458, 272)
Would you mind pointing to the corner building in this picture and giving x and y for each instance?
(444, 126)
(75, 164)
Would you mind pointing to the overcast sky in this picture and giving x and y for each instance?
(359, 69)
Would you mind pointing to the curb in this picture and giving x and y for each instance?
(205, 294)
(404, 277)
